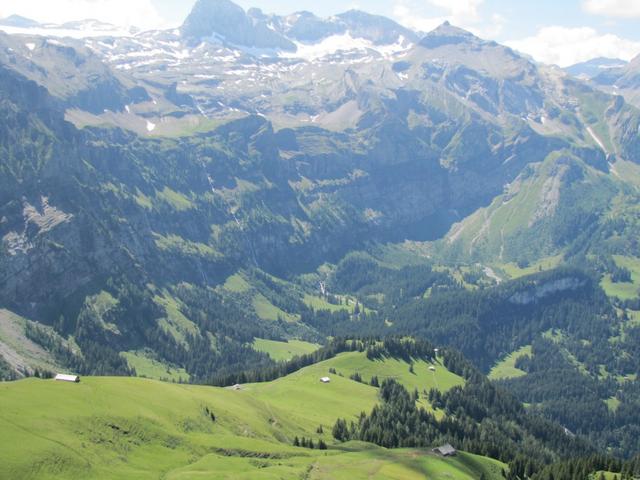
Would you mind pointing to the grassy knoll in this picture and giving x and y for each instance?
(624, 290)
(263, 308)
(147, 366)
(612, 404)
(310, 403)
(268, 311)
(422, 378)
(506, 368)
(366, 461)
(319, 303)
(236, 283)
(133, 428)
(281, 351)
(513, 271)
(175, 322)
(607, 475)
(175, 200)
(348, 304)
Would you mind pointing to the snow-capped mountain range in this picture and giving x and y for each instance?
(16, 24)
(296, 70)
(222, 22)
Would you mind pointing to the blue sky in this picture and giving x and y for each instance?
(552, 31)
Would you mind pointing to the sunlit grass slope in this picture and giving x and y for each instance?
(282, 351)
(506, 368)
(425, 375)
(133, 428)
(624, 290)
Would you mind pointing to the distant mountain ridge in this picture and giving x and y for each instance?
(595, 67)
(17, 24)
(19, 21)
(227, 21)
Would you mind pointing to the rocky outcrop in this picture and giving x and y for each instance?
(547, 289)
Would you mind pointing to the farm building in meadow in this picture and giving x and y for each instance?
(62, 377)
(325, 379)
(445, 450)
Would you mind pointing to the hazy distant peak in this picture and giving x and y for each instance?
(229, 22)
(376, 28)
(19, 21)
(447, 34)
(595, 67)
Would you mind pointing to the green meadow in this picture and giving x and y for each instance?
(624, 290)
(283, 351)
(134, 428)
(506, 368)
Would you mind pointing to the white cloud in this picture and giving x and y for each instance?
(461, 13)
(567, 46)
(140, 13)
(493, 28)
(459, 9)
(406, 15)
(613, 8)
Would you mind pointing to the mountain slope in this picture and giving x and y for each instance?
(153, 223)
(186, 431)
(169, 197)
(124, 241)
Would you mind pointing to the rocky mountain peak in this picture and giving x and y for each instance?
(305, 26)
(228, 22)
(375, 28)
(18, 21)
(447, 34)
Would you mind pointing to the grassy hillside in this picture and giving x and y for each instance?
(529, 227)
(506, 368)
(147, 366)
(281, 351)
(422, 377)
(624, 290)
(117, 428)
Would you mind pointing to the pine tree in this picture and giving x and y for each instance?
(340, 430)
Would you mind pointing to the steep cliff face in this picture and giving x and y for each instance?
(544, 290)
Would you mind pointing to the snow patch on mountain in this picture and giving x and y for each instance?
(344, 43)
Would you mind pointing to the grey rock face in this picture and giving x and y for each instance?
(229, 22)
(545, 290)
